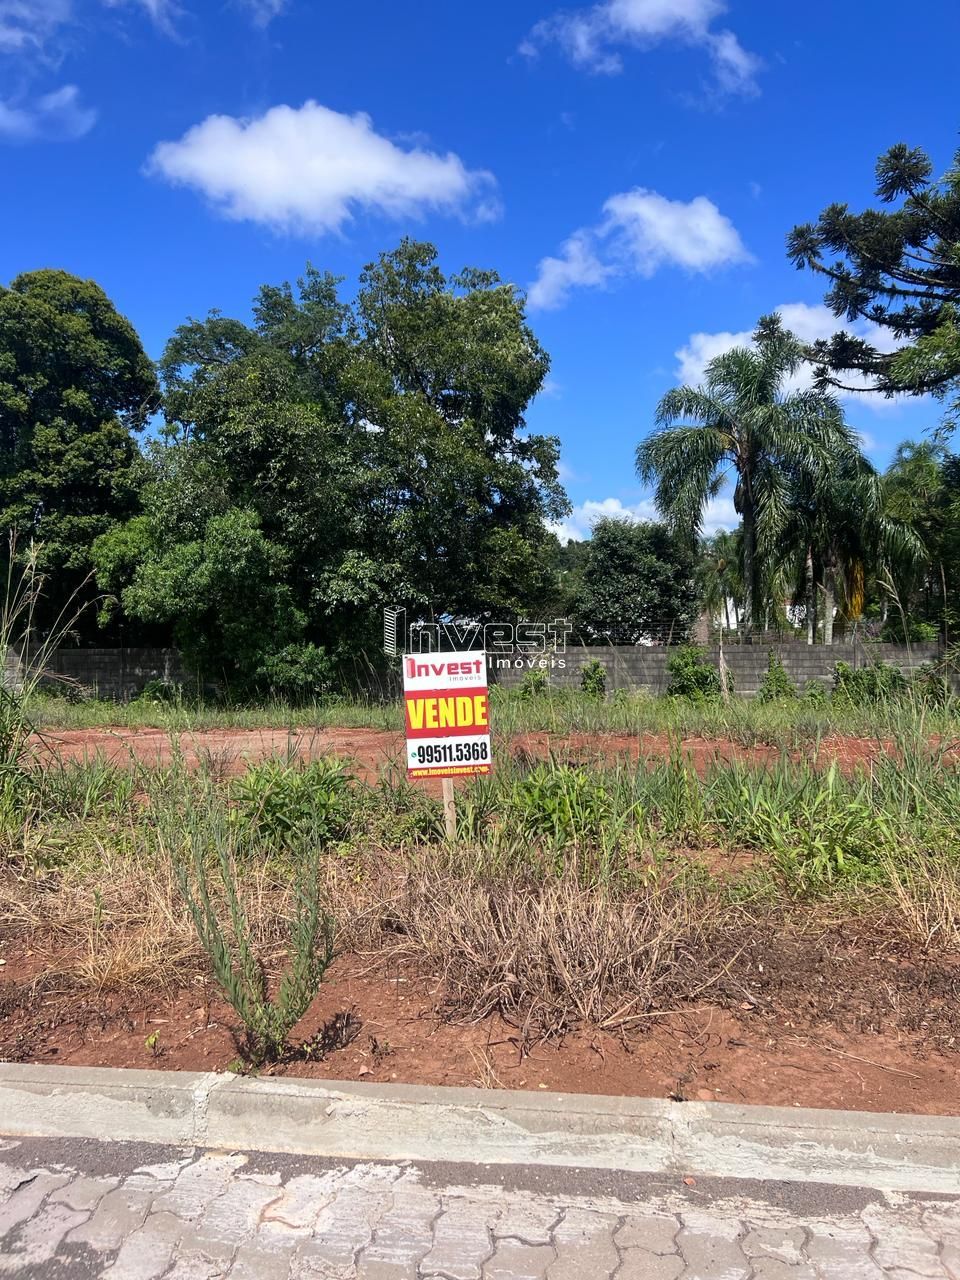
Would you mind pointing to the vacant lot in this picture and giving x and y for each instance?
(744, 903)
(372, 751)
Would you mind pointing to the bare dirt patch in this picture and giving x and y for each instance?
(372, 750)
(232, 750)
(805, 1025)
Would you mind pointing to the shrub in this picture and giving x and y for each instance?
(267, 1022)
(930, 683)
(298, 673)
(815, 692)
(692, 677)
(875, 683)
(157, 693)
(278, 801)
(776, 685)
(593, 678)
(917, 632)
(534, 684)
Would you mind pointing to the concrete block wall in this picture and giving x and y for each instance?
(640, 668)
(122, 673)
(111, 673)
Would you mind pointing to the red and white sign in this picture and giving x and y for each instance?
(447, 714)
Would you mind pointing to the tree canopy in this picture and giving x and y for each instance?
(346, 456)
(75, 385)
(637, 582)
(332, 456)
(897, 267)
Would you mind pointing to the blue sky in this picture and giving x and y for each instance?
(635, 164)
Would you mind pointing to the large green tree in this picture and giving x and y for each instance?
(743, 421)
(897, 267)
(75, 385)
(378, 447)
(442, 375)
(638, 582)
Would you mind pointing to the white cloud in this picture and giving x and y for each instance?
(719, 514)
(576, 266)
(579, 524)
(54, 116)
(592, 37)
(264, 11)
(28, 24)
(31, 33)
(641, 231)
(162, 12)
(308, 169)
(809, 323)
(701, 348)
(654, 230)
(165, 12)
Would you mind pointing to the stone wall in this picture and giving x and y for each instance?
(645, 668)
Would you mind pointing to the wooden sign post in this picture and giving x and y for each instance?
(449, 810)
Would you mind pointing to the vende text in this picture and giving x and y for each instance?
(446, 711)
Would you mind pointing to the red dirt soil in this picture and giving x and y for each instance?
(371, 750)
(703, 1054)
(710, 1053)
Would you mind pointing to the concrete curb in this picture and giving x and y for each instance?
(411, 1122)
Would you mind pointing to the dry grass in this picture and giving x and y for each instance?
(926, 894)
(124, 927)
(118, 923)
(549, 957)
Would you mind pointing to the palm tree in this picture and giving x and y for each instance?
(742, 419)
(721, 584)
(917, 493)
(839, 530)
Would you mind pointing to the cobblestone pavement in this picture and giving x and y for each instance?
(78, 1208)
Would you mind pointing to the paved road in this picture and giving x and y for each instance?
(77, 1208)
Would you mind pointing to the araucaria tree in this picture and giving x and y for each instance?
(744, 420)
(897, 268)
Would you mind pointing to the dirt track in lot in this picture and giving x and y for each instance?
(370, 751)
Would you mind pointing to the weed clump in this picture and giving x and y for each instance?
(210, 889)
(870, 685)
(593, 679)
(776, 685)
(693, 678)
(277, 801)
(535, 684)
